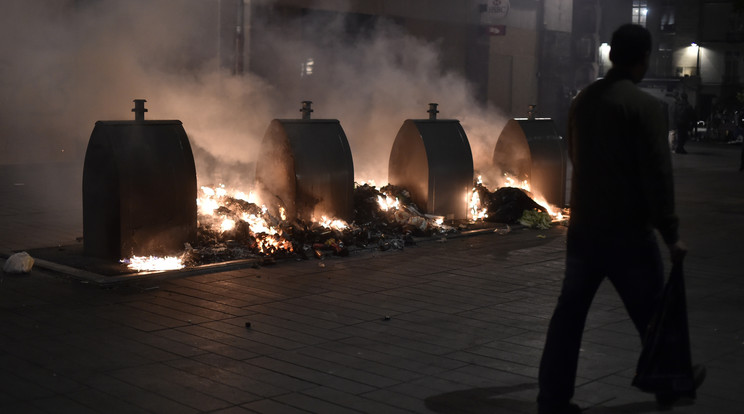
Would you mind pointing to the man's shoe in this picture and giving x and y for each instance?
(569, 408)
(699, 372)
(667, 399)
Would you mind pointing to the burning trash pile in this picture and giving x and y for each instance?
(232, 226)
(511, 204)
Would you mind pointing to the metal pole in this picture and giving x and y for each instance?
(219, 34)
(239, 40)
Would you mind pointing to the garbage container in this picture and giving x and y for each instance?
(532, 150)
(305, 165)
(139, 188)
(431, 158)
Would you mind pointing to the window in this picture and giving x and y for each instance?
(731, 67)
(306, 68)
(640, 9)
(667, 19)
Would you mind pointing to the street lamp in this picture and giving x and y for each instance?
(694, 48)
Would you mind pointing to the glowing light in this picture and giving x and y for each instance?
(510, 181)
(153, 263)
(388, 203)
(269, 239)
(227, 225)
(477, 212)
(334, 224)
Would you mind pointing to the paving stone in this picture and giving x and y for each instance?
(339, 353)
(400, 400)
(316, 405)
(104, 403)
(271, 406)
(180, 386)
(63, 405)
(351, 401)
(314, 376)
(321, 360)
(145, 398)
(263, 382)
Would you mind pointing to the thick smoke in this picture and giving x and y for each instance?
(67, 64)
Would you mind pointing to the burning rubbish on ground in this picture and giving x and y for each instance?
(234, 225)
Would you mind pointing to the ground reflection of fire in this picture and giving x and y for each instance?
(153, 263)
(233, 224)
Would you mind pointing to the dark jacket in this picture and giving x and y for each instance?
(622, 172)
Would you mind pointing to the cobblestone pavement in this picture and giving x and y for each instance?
(442, 327)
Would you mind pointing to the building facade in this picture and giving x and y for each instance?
(698, 49)
(513, 53)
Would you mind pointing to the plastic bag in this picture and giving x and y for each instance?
(535, 219)
(19, 263)
(665, 364)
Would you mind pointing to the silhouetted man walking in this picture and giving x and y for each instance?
(622, 190)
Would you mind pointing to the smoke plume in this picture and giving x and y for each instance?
(67, 64)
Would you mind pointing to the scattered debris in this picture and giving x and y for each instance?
(535, 219)
(503, 231)
(19, 263)
(506, 204)
(232, 228)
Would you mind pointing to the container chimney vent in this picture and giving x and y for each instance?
(433, 110)
(306, 109)
(139, 109)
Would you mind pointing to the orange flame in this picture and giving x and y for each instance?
(388, 203)
(153, 263)
(269, 238)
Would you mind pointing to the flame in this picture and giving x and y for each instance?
(510, 181)
(477, 212)
(388, 203)
(269, 238)
(334, 224)
(250, 197)
(154, 263)
(227, 224)
(554, 211)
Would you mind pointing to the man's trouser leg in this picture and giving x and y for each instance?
(561, 353)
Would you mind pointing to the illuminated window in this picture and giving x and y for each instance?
(306, 68)
(640, 9)
(667, 19)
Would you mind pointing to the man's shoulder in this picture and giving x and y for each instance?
(622, 91)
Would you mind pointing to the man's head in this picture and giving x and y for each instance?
(630, 49)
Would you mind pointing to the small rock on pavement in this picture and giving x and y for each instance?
(19, 263)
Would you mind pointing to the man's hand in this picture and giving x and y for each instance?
(677, 251)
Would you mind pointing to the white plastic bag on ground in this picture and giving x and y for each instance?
(19, 263)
